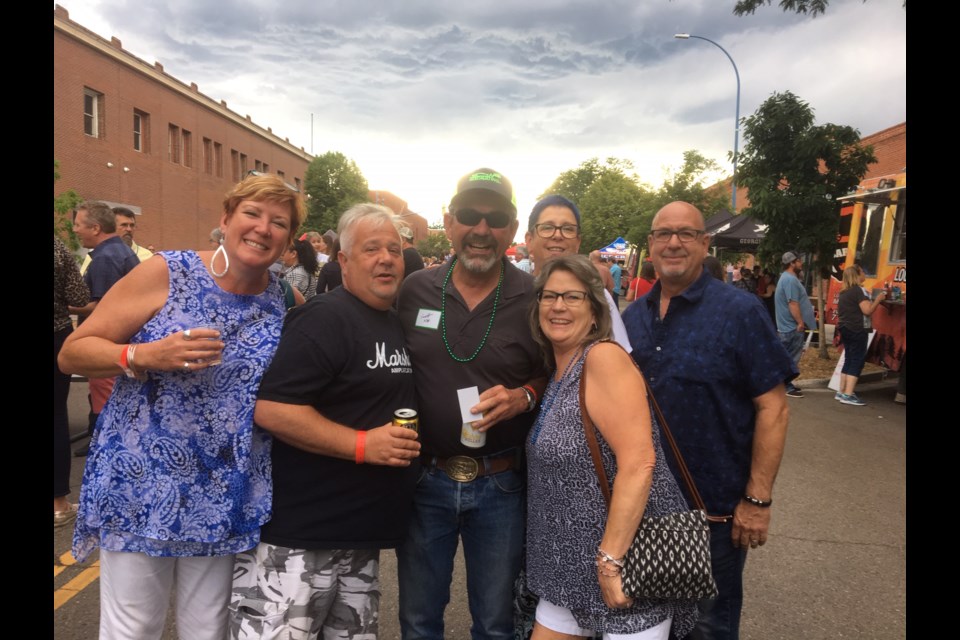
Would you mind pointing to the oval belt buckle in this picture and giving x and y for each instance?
(462, 468)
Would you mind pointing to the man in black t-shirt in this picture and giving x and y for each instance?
(343, 475)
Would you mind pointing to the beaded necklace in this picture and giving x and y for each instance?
(443, 321)
(550, 396)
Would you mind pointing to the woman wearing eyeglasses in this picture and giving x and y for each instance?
(575, 545)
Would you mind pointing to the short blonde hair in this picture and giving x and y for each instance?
(267, 188)
(851, 277)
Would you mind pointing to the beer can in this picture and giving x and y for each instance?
(407, 418)
(472, 438)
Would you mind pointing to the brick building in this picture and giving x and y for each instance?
(399, 206)
(126, 132)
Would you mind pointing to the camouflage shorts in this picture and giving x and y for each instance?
(289, 594)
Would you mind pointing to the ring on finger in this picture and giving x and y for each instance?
(187, 335)
(186, 365)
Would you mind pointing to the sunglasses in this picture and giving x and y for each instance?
(472, 217)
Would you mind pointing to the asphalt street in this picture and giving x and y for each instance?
(834, 565)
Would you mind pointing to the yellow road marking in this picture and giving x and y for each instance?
(77, 584)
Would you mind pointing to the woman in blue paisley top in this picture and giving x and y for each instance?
(575, 544)
(178, 479)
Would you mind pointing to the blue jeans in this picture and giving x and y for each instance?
(793, 341)
(489, 514)
(720, 616)
(855, 350)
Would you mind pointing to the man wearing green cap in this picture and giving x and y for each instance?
(466, 330)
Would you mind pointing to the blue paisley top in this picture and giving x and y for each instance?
(566, 515)
(176, 467)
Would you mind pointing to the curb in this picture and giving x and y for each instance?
(875, 376)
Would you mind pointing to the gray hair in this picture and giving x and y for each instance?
(583, 270)
(100, 214)
(523, 252)
(377, 214)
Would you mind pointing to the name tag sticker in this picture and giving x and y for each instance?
(428, 319)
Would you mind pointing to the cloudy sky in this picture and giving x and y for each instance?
(419, 92)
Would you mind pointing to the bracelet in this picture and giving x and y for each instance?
(533, 393)
(361, 442)
(757, 501)
(126, 362)
(607, 571)
(603, 556)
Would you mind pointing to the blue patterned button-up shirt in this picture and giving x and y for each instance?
(706, 360)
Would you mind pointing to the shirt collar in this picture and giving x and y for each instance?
(691, 294)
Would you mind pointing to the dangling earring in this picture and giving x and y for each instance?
(593, 328)
(226, 260)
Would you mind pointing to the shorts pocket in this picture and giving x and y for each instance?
(253, 618)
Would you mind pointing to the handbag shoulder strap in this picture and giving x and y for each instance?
(592, 442)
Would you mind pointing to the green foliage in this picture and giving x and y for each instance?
(813, 7)
(609, 196)
(435, 245)
(333, 183)
(687, 184)
(63, 204)
(795, 170)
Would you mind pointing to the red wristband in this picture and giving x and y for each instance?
(361, 442)
(529, 388)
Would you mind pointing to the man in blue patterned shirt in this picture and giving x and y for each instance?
(717, 369)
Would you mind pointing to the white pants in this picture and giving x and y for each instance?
(135, 595)
(560, 619)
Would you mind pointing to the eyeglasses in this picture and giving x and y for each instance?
(685, 235)
(472, 217)
(570, 298)
(547, 230)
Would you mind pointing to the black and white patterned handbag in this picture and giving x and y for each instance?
(670, 555)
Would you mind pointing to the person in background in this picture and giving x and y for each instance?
(642, 284)
(523, 259)
(331, 276)
(177, 479)
(794, 313)
(319, 245)
(714, 268)
(110, 259)
(716, 367)
(597, 259)
(301, 268)
(766, 288)
(69, 290)
(616, 272)
(854, 308)
(412, 260)
(574, 542)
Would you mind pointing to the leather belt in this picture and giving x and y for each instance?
(466, 469)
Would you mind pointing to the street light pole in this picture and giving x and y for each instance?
(736, 127)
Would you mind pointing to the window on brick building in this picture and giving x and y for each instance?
(173, 144)
(141, 131)
(258, 165)
(243, 165)
(235, 164)
(266, 168)
(93, 113)
(207, 155)
(187, 148)
(281, 174)
(296, 181)
(218, 159)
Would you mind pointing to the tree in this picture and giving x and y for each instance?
(435, 245)
(613, 206)
(333, 183)
(609, 197)
(813, 7)
(795, 171)
(62, 205)
(687, 184)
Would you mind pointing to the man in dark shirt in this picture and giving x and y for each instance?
(466, 328)
(110, 259)
(342, 473)
(412, 260)
(717, 369)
